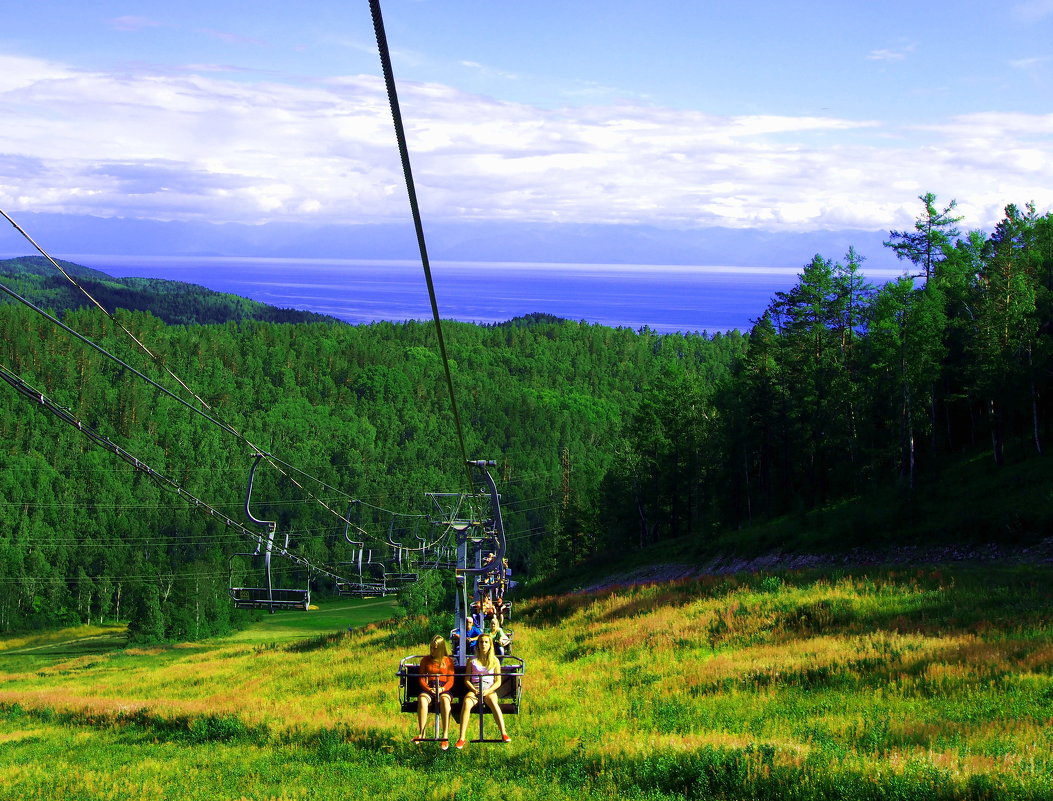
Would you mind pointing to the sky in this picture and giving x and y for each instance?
(678, 114)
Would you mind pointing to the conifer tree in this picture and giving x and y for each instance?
(934, 232)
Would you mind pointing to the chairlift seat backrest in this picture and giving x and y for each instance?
(509, 692)
(261, 598)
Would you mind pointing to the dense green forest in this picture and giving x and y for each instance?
(606, 439)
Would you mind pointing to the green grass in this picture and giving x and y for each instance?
(28, 652)
(32, 652)
(921, 683)
(329, 617)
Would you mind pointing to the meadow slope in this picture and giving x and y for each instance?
(919, 683)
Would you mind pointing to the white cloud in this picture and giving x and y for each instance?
(475, 66)
(887, 55)
(201, 147)
(1029, 63)
(19, 73)
(898, 53)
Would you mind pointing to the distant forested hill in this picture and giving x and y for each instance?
(174, 302)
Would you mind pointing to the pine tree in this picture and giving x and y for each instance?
(934, 232)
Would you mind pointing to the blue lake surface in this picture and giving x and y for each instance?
(664, 298)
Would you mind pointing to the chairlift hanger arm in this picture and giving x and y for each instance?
(498, 534)
(269, 525)
(347, 525)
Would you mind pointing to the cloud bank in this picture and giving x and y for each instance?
(205, 146)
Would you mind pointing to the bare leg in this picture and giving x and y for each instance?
(423, 701)
(466, 713)
(444, 714)
(495, 707)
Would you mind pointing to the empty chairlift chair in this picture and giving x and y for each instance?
(266, 596)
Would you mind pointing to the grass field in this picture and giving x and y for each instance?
(929, 683)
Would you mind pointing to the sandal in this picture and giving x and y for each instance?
(460, 744)
(445, 744)
(505, 738)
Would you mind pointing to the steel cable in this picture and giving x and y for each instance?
(400, 136)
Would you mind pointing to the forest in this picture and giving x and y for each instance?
(37, 279)
(607, 440)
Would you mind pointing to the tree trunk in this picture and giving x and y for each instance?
(1034, 403)
(746, 471)
(996, 435)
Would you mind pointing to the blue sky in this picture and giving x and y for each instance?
(769, 116)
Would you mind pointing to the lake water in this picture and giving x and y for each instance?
(664, 298)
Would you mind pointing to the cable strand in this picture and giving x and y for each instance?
(400, 136)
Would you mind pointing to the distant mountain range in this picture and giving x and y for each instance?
(35, 279)
(70, 235)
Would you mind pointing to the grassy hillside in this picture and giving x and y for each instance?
(925, 683)
(175, 302)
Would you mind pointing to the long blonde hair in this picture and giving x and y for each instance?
(495, 628)
(490, 661)
(438, 648)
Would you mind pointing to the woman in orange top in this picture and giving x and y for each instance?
(436, 681)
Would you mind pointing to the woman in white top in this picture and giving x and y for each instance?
(483, 677)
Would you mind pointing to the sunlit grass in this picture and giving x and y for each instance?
(898, 684)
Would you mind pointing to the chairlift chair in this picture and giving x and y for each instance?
(476, 534)
(265, 597)
(365, 586)
(404, 573)
(509, 693)
(369, 581)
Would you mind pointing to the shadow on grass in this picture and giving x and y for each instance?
(46, 655)
(319, 643)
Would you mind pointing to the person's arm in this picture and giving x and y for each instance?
(493, 688)
(425, 678)
(469, 675)
(447, 679)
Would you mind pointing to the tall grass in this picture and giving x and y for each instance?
(913, 684)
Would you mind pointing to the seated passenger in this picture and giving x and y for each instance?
(483, 679)
(436, 681)
(472, 632)
(477, 609)
(506, 575)
(500, 637)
